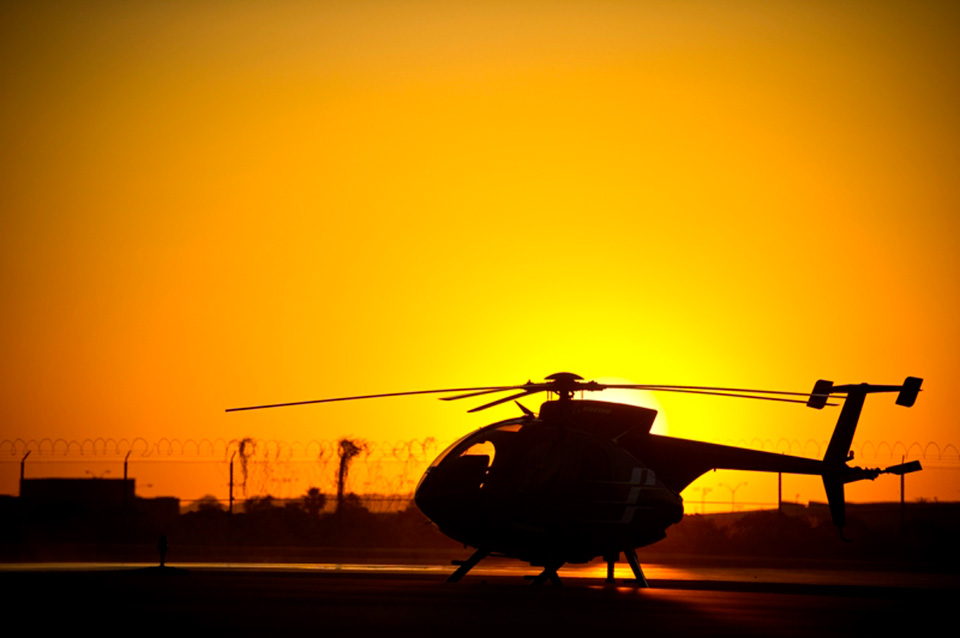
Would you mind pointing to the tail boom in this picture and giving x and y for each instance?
(679, 461)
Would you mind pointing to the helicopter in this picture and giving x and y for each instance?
(585, 479)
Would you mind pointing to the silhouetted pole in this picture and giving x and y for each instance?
(780, 492)
(903, 505)
(125, 459)
(23, 462)
(231, 480)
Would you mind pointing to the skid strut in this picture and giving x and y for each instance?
(467, 565)
(631, 555)
(611, 562)
(549, 573)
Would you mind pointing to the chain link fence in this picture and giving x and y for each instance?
(384, 475)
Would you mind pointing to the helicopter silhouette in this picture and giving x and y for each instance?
(585, 479)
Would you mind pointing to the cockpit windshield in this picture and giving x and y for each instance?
(483, 442)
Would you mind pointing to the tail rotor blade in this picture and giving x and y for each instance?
(903, 468)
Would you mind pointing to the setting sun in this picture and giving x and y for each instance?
(208, 207)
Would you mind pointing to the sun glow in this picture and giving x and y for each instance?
(641, 398)
(206, 207)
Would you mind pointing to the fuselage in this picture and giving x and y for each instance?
(562, 486)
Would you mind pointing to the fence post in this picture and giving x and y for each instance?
(780, 492)
(231, 480)
(903, 505)
(125, 459)
(23, 462)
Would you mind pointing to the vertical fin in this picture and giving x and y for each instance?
(833, 485)
(835, 460)
(842, 438)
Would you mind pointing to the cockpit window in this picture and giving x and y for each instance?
(485, 448)
(483, 442)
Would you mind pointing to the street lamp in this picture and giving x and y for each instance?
(733, 493)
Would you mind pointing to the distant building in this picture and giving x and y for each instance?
(93, 494)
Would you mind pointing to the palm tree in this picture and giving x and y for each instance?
(314, 501)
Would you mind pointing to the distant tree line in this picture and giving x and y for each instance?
(302, 527)
(928, 535)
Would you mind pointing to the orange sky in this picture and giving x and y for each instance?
(210, 205)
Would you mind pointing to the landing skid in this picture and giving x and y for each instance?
(550, 570)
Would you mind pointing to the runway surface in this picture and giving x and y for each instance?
(381, 600)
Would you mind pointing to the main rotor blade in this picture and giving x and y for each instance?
(669, 388)
(482, 392)
(722, 394)
(364, 396)
(512, 397)
(533, 388)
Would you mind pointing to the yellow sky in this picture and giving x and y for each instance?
(219, 204)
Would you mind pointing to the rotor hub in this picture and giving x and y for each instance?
(565, 384)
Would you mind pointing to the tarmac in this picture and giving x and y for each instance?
(496, 600)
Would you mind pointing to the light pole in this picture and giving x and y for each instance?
(703, 498)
